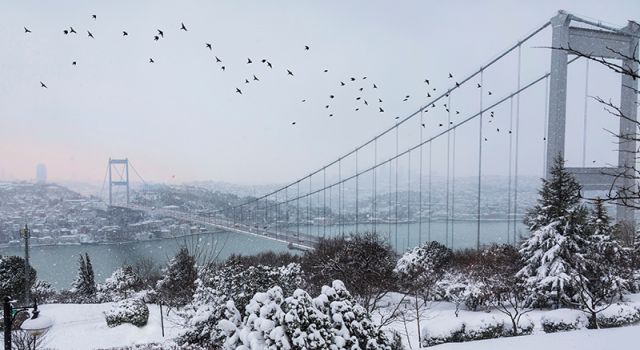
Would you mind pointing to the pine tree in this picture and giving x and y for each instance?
(558, 226)
(84, 285)
(604, 271)
(177, 286)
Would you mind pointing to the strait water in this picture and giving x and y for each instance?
(59, 264)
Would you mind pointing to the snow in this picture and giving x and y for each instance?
(612, 338)
(83, 326)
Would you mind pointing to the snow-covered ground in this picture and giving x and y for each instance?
(80, 327)
(601, 339)
(83, 327)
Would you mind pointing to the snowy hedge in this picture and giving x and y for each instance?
(463, 331)
(563, 320)
(133, 311)
(619, 315)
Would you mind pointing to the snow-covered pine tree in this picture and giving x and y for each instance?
(351, 326)
(84, 286)
(604, 271)
(177, 286)
(305, 326)
(12, 276)
(557, 225)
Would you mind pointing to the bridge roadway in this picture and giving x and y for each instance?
(294, 240)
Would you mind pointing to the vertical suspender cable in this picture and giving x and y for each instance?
(453, 188)
(429, 195)
(408, 200)
(298, 210)
(309, 219)
(396, 203)
(584, 131)
(510, 167)
(420, 185)
(480, 161)
(324, 202)
(515, 180)
(389, 199)
(374, 207)
(340, 197)
(357, 191)
(277, 213)
(446, 237)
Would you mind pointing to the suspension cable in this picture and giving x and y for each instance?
(436, 99)
(396, 202)
(453, 189)
(324, 203)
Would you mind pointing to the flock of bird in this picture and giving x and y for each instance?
(360, 83)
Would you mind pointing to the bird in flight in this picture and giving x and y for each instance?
(124, 33)
(246, 81)
(450, 75)
(71, 30)
(249, 61)
(342, 83)
(182, 27)
(306, 47)
(94, 16)
(331, 96)
(151, 60)
(269, 64)
(239, 91)
(156, 38)
(353, 79)
(428, 94)
(380, 100)
(457, 84)
(426, 81)
(26, 30)
(222, 67)
(423, 125)
(208, 46)
(161, 33)
(73, 63)
(218, 60)
(42, 85)
(375, 86)
(326, 70)
(380, 110)
(490, 93)
(479, 86)
(289, 72)
(65, 32)
(255, 78)
(293, 123)
(90, 35)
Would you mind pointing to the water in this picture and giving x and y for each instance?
(462, 234)
(59, 264)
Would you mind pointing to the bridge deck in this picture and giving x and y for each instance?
(293, 239)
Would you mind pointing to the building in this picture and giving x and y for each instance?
(41, 173)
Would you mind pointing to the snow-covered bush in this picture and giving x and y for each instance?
(460, 288)
(420, 268)
(235, 283)
(333, 320)
(133, 311)
(446, 333)
(462, 331)
(619, 315)
(122, 284)
(561, 321)
(43, 292)
(485, 329)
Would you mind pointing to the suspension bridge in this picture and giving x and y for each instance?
(402, 183)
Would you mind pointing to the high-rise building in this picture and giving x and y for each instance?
(41, 173)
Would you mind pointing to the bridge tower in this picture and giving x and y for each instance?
(122, 178)
(600, 43)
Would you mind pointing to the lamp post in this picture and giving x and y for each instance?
(36, 325)
(26, 234)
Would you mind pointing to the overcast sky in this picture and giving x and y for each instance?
(181, 119)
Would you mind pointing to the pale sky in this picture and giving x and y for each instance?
(181, 116)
